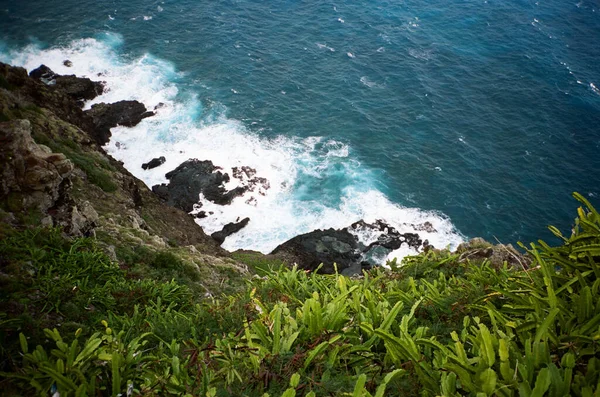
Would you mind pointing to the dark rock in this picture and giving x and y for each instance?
(321, 246)
(247, 175)
(229, 229)
(67, 63)
(106, 116)
(43, 72)
(425, 227)
(155, 162)
(78, 88)
(389, 238)
(344, 249)
(191, 178)
(200, 215)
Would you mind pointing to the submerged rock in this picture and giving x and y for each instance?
(106, 116)
(155, 162)
(229, 229)
(193, 177)
(389, 238)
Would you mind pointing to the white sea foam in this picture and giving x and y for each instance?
(325, 46)
(295, 168)
(371, 84)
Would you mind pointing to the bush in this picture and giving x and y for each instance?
(431, 326)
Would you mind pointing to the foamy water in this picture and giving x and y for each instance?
(296, 168)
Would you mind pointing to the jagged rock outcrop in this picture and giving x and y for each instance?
(229, 229)
(108, 115)
(344, 248)
(34, 178)
(78, 88)
(57, 121)
(191, 178)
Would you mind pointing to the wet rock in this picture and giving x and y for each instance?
(155, 162)
(425, 227)
(43, 72)
(321, 246)
(247, 175)
(78, 88)
(67, 63)
(344, 248)
(229, 229)
(388, 237)
(191, 178)
(106, 116)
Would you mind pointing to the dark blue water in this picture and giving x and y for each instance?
(486, 111)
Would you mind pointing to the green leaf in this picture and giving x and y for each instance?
(488, 380)
(548, 321)
(360, 386)
(116, 374)
(24, 345)
(64, 384)
(88, 350)
(295, 380)
(542, 383)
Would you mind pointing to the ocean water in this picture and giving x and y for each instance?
(478, 116)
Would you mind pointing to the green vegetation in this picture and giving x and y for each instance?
(434, 326)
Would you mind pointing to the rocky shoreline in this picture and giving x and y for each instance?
(45, 106)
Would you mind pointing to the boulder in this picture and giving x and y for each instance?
(229, 229)
(155, 162)
(106, 116)
(191, 178)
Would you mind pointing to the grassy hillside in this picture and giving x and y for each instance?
(438, 324)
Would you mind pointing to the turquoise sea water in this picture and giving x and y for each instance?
(479, 116)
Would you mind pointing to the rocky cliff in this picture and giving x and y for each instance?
(55, 173)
